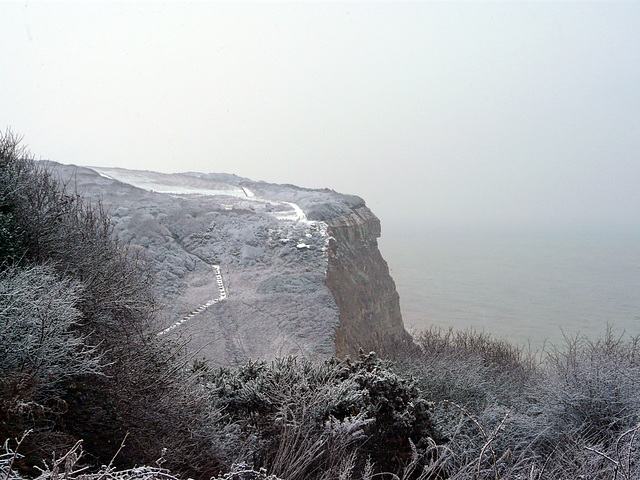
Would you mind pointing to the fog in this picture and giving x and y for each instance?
(436, 113)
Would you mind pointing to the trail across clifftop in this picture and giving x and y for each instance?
(222, 295)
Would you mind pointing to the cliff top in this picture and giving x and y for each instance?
(317, 204)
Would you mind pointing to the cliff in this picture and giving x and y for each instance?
(249, 269)
(359, 280)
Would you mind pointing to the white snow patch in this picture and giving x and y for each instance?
(300, 215)
(177, 184)
(173, 184)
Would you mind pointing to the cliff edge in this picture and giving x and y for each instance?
(359, 280)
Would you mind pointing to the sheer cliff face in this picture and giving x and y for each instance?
(359, 280)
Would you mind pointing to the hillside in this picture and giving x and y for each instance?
(299, 269)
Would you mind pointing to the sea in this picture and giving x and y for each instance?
(532, 287)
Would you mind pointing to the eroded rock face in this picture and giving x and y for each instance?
(301, 269)
(359, 280)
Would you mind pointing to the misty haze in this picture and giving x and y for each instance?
(320, 240)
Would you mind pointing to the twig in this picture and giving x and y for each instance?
(15, 453)
(633, 431)
(488, 444)
(604, 455)
(488, 439)
(108, 469)
(66, 456)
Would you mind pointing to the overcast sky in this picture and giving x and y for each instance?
(433, 112)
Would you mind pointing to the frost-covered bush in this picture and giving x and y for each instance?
(401, 413)
(39, 338)
(245, 472)
(41, 352)
(313, 421)
(43, 220)
(593, 388)
(477, 384)
(13, 238)
(471, 368)
(68, 465)
(570, 412)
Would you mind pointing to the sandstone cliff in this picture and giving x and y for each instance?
(359, 280)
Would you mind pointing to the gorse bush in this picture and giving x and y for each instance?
(305, 420)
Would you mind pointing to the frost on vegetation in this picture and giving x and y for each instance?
(300, 417)
(570, 412)
(595, 386)
(69, 467)
(243, 471)
(38, 335)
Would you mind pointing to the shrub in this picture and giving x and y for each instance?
(90, 298)
(478, 385)
(39, 336)
(314, 421)
(13, 239)
(594, 387)
(570, 412)
(41, 351)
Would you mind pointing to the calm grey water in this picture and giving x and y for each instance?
(523, 286)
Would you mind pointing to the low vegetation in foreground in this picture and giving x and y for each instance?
(88, 391)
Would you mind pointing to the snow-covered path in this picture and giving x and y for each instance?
(298, 213)
(177, 184)
(222, 295)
